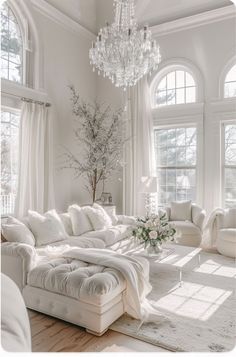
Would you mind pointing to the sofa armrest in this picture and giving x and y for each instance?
(219, 221)
(165, 210)
(198, 216)
(17, 260)
(123, 219)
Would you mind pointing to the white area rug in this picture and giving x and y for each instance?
(202, 313)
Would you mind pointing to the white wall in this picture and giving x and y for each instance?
(208, 47)
(65, 61)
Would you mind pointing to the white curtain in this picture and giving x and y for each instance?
(139, 157)
(35, 181)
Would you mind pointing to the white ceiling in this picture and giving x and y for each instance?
(94, 13)
(82, 11)
(155, 12)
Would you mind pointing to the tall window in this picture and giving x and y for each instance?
(9, 158)
(177, 87)
(229, 161)
(11, 46)
(230, 83)
(176, 158)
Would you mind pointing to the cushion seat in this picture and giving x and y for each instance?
(226, 242)
(187, 233)
(228, 234)
(110, 235)
(186, 227)
(76, 279)
(78, 241)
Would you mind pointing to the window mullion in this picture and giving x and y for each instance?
(177, 182)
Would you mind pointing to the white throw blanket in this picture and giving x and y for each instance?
(210, 230)
(137, 286)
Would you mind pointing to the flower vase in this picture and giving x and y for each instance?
(156, 249)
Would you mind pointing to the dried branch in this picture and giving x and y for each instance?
(101, 134)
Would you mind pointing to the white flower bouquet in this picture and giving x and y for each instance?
(154, 230)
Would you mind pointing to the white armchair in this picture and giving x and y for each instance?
(226, 233)
(188, 219)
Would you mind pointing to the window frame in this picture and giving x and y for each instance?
(225, 82)
(175, 89)
(23, 28)
(223, 74)
(16, 111)
(197, 165)
(223, 165)
(176, 64)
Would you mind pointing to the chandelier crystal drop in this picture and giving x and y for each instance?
(123, 53)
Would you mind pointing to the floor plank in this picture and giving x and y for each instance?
(52, 335)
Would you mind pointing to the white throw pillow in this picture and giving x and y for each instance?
(106, 217)
(16, 231)
(65, 218)
(96, 217)
(80, 221)
(25, 221)
(181, 211)
(47, 228)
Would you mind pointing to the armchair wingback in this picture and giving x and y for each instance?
(189, 230)
(198, 216)
(226, 233)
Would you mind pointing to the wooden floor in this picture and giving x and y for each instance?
(53, 335)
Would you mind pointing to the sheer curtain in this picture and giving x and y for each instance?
(35, 181)
(139, 154)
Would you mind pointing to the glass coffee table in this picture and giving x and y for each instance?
(177, 256)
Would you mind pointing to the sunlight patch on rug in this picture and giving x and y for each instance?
(201, 314)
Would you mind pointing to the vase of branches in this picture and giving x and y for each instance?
(99, 133)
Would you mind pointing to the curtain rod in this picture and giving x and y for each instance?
(29, 100)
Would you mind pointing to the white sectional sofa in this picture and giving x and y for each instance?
(88, 295)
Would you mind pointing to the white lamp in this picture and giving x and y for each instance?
(148, 186)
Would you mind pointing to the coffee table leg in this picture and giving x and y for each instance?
(199, 259)
(180, 277)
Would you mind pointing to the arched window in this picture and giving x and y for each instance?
(11, 46)
(230, 83)
(176, 87)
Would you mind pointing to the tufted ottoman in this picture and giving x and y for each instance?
(72, 290)
(87, 295)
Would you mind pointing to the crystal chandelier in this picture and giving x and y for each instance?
(122, 52)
